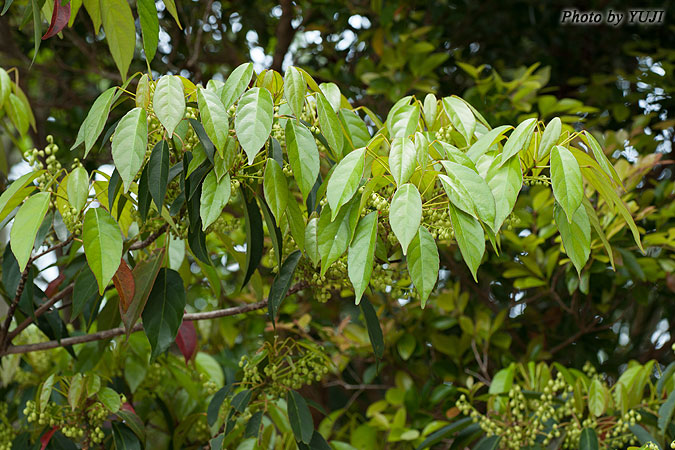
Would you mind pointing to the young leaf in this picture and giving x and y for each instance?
(129, 144)
(423, 263)
(332, 93)
(144, 274)
(78, 187)
(275, 188)
(26, 224)
(236, 84)
(12, 196)
(5, 86)
(486, 141)
(147, 14)
(102, 245)
(186, 340)
(93, 124)
(120, 32)
(168, 102)
(329, 123)
(163, 312)
(361, 254)
(345, 180)
(465, 180)
(575, 234)
(549, 139)
(214, 117)
(566, 180)
(158, 173)
(171, 7)
(124, 283)
(299, 417)
(430, 109)
(356, 131)
(597, 398)
(519, 139)
(282, 283)
(143, 91)
(17, 114)
(303, 156)
(666, 412)
(505, 183)
(405, 214)
(470, 238)
(60, 17)
(460, 116)
(402, 160)
(600, 157)
(110, 399)
(75, 391)
(253, 120)
(295, 89)
(215, 195)
(373, 326)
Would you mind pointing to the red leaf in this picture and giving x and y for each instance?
(60, 18)
(127, 407)
(53, 287)
(187, 340)
(125, 285)
(46, 437)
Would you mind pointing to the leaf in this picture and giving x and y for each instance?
(486, 141)
(253, 120)
(75, 391)
(124, 283)
(186, 340)
(430, 109)
(163, 312)
(402, 118)
(158, 173)
(168, 102)
(295, 89)
(299, 417)
(468, 190)
(329, 123)
(423, 263)
(143, 91)
(46, 392)
(93, 124)
(110, 399)
(460, 116)
(361, 254)
(373, 326)
(94, 10)
(78, 187)
(402, 160)
(84, 289)
(129, 144)
(356, 131)
(549, 139)
(45, 438)
(120, 32)
(37, 23)
(345, 180)
(470, 238)
(12, 195)
(489, 443)
(445, 432)
(282, 283)
(311, 241)
(643, 435)
(5, 86)
(405, 214)
(303, 156)
(171, 7)
(215, 195)
(597, 398)
(147, 14)
(600, 157)
(236, 84)
(566, 180)
(124, 438)
(576, 235)
(502, 381)
(275, 188)
(102, 245)
(588, 440)
(505, 183)
(26, 224)
(666, 413)
(254, 236)
(17, 114)
(334, 236)
(214, 117)
(518, 140)
(215, 404)
(60, 17)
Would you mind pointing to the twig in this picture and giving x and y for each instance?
(13, 306)
(38, 312)
(149, 240)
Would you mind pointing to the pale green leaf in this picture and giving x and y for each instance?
(168, 102)
(361, 254)
(345, 180)
(312, 241)
(332, 93)
(430, 109)
(236, 84)
(17, 114)
(460, 116)
(600, 157)
(93, 124)
(129, 144)
(334, 236)
(5, 86)
(519, 139)
(253, 120)
(26, 224)
(275, 188)
(470, 238)
(402, 118)
(566, 180)
(120, 32)
(465, 180)
(295, 89)
(549, 139)
(303, 155)
(147, 14)
(423, 263)
(215, 195)
(505, 183)
(78, 187)
(405, 214)
(597, 398)
(102, 241)
(486, 141)
(329, 123)
(214, 117)
(402, 161)
(576, 235)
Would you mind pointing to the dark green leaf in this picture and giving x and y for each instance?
(281, 284)
(254, 236)
(215, 404)
(147, 14)
(374, 329)
(163, 312)
(666, 412)
(588, 440)
(253, 425)
(124, 438)
(299, 417)
(158, 173)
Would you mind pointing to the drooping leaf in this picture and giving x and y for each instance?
(124, 283)
(402, 161)
(215, 404)
(158, 173)
(236, 84)
(405, 214)
(470, 238)
(120, 32)
(163, 313)
(356, 131)
(566, 180)
(102, 240)
(253, 120)
(505, 183)
(312, 241)
(78, 187)
(460, 116)
(84, 290)
(588, 440)
(26, 224)
(518, 140)
(5, 86)
(215, 195)
(303, 156)
(171, 7)
(299, 417)
(334, 236)
(549, 138)
(93, 124)
(75, 391)
(17, 114)
(503, 380)
(275, 188)
(282, 283)
(345, 180)
(254, 236)
(60, 17)
(600, 157)
(168, 102)
(214, 117)
(147, 14)
(373, 326)
(465, 187)
(430, 109)
(295, 89)
(129, 144)
(576, 235)
(329, 123)
(124, 438)
(423, 263)
(186, 339)
(12, 196)
(361, 254)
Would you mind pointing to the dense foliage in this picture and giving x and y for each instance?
(260, 260)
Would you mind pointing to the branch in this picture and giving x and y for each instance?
(41, 310)
(12, 306)
(149, 240)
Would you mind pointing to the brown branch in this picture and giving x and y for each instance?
(285, 34)
(41, 310)
(12, 307)
(149, 240)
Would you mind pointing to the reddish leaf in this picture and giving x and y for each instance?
(187, 340)
(60, 18)
(46, 437)
(127, 407)
(125, 285)
(53, 287)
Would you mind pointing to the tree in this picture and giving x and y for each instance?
(362, 236)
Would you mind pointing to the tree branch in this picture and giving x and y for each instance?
(149, 240)
(12, 306)
(41, 310)
(285, 34)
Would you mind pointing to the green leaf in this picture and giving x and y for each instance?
(505, 183)
(124, 438)
(405, 214)
(163, 312)
(460, 116)
(282, 283)
(102, 245)
(93, 124)
(254, 236)
(94, 10)
(17, 114)
(236, 84)
(147, 14)
(143, 91)
(303, 155)
(643, 435)
(275, 188)
(489, 443)
(519, 139)
(110, 399)
(566, 180)
(588, 440)
(273, 230)
(402, 162)
(597, 398)
(75, 391)
(37, 31)
(576, 235)
(666, 412)
(158, 173)
(46, 392)
(253, 120)
(11, 197)
(299, 417)
(296, 223)
(26, 224)
(78, 187)
(345, 180)
(5, 86)
(402, 118)
(486, 141)
(83, 291)
(215, 195)
(373, 326)
(406, 346)
(503, 380)
(295, 89)
(171, 7)
(430, 110)
(120, 32)
(445, 432)
(600, 157)
(168, 102)
(423, 263)
(215, 404)
(312, 241)
(129, 144)
(465, 187)
(361, 254)
(145, 273)
(334, 236)
(329, 123)
(214, 117)
(470, 238)
(332, 93)
(356, 131)
(549, 139)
